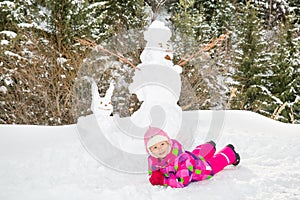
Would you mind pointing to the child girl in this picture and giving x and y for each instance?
(170, 165)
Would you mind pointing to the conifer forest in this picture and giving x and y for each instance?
(235, 55)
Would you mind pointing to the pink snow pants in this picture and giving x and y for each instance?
(218, 161)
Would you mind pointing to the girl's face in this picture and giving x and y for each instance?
(160, 149)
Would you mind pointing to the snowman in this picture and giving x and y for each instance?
(101, 106)
(158, 83)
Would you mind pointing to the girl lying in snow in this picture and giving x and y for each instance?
(170, 165)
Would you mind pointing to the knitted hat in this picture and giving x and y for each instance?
(153, 136)
(156, 139)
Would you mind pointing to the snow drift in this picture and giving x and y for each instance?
(41, 162)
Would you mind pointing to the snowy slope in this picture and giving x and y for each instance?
(39, 163)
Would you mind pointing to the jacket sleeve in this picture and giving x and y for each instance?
(150, 166)
(173, 181)
(179, 174)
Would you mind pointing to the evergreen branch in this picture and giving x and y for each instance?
(92, 45)
(207, 47)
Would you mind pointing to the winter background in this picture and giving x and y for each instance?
(45, 44)
(55, 162)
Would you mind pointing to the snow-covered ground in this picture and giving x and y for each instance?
(38, 162)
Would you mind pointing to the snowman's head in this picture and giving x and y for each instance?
(102, 105)
(105, 105)
(157, 33)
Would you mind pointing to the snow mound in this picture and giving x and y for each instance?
(38, 162)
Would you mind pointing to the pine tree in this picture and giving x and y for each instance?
(6, 19)
(267, 65)
(251, 61)
(219, 15)
(284, 80)
(195, 24)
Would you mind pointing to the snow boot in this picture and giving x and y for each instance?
(237, 156)
(212, 143)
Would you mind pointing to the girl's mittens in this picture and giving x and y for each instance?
(157, 178)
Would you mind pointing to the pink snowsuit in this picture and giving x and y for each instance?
(183, 167)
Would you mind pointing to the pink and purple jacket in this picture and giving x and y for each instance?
(179, 167)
